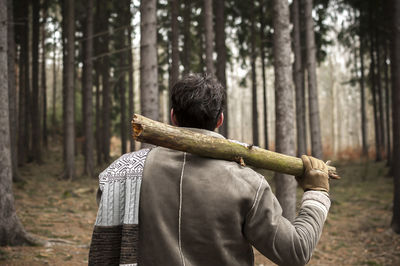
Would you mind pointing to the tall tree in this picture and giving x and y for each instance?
(88, 88)
(253, 58)
(36, 134)
(130, 84)
(315, 128)
(380, 90)
(263, 71)
(174, 43)
(284, 109)
(148, 59)
(209, 35)
(11, 229)
(363, 109)
(69, 101)
(395, 71)
(220, 48)
(298, 75)
(43, 72)
(53, 115)
(12, 96)
(187, 42)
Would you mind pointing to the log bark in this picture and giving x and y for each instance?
(160, 134)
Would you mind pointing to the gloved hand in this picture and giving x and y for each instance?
(315, 175)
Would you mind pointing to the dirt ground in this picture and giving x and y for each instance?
(357, 230)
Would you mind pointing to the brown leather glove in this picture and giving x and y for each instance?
(315, 175)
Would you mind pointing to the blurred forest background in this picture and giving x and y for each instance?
(318, 77)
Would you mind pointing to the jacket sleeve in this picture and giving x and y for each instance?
(275, 237)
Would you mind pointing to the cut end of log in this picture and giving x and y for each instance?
(137, 128)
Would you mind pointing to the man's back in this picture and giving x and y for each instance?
(193, 209)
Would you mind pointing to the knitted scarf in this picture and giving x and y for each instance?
(116, 231)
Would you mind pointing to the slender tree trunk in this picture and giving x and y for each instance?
(374, 93)
(12, 96)
(64, 74)
(148, 60)
(69, 101)
(220, 48)
(387, 104)
(187, 44)
(285, 184)
(11, 229)
(131, 86)
(315, 128)
(395, 71)
(98, 68)
(209, 35)
(44, 85)
(298, 75)
(53, 118)
(378, 76)
(88, 88)
(254, 78)
(264, 75)
(36, 138)
(174, 42)
(363, 111)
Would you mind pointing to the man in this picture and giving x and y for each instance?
(193, 210)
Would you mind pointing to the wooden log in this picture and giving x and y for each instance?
(177, 138)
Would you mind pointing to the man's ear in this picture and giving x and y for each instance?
(220, 120)
(173, 118)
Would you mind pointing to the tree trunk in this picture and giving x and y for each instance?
(88, 88)
(298, 75)
(220, 48)
(387, 105)
(69, 101)
(395, 71)
(36, 138)
(12, 96)
(131, 86)
(264, 75)
(53, 118)
(284, 109)
(187, 43)
(148, 59)
(315, 128)
(11, 230)
(174, 42)
(106, 112)
(373, 91)
(209, 35)
(380, 94)
(363, 111)
(98, 68)
(44, 85)
(24, 95)
(254, 78)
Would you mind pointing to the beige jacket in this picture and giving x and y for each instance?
(201, 211)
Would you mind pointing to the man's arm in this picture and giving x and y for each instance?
(278, 239)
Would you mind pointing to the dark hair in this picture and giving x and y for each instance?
(198, 100)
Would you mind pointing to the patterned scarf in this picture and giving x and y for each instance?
(116, 231)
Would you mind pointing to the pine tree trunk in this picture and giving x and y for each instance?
(381, 114)
(11, 230)
(53, 118)
(254, 78)
(285, 185)
(69, 101)
(298, 75)
(36, 127)
(148, 59)
(220, 48)
(131, 86)
(387, 105)
(12, 96)
(98, 68)
(264, 75)
(88, 88)
(315, 128)
(174, 42)
(187, 43)
(395, 71)
(209, 35)
(44, 85)
(363, 111)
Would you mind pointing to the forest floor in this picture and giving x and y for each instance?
(357, 230)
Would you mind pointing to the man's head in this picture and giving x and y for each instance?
(198, 101)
